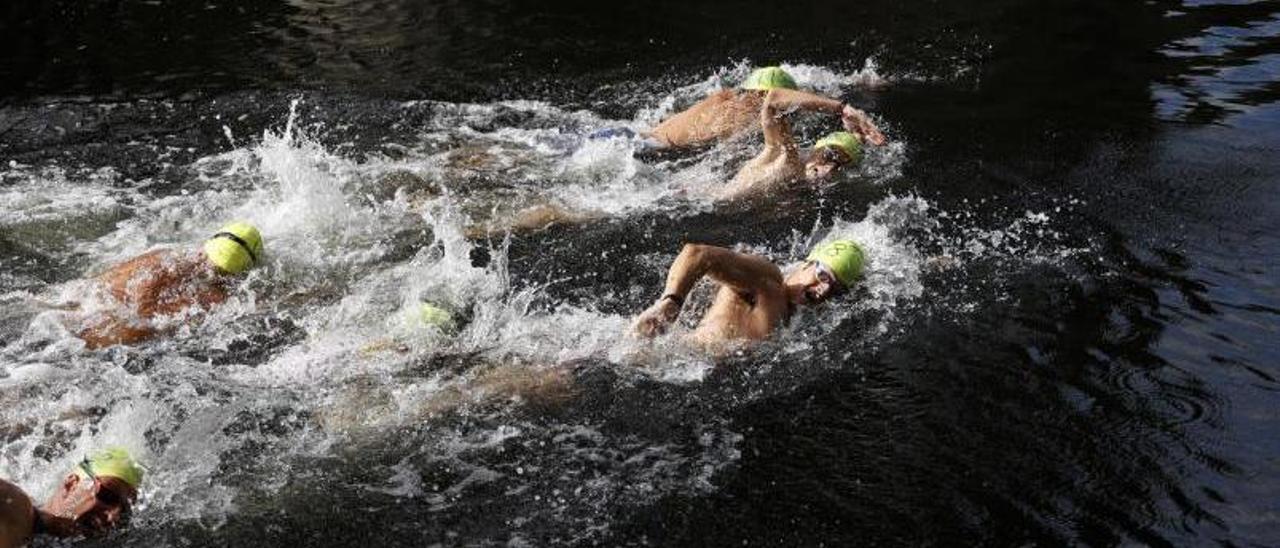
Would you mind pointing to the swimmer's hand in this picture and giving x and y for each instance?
(857, 121)
(654, 321)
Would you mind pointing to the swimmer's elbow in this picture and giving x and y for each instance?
(699, 255)
(693, 252)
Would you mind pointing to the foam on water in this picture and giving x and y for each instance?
(48, 210)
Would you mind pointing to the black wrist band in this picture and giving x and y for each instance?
(678, 299)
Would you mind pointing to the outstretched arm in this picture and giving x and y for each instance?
(787, 100)
(743, 272)
(854, 120)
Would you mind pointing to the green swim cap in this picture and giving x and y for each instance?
(112, 462)
(849, 143)
(767, 78)
(235, 248)
(429, 314)
(843, 257)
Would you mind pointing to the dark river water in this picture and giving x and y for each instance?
(1068, 333)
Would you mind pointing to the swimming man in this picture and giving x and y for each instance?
(164, 283)
(754, 297)
(781, 163)
(726, 113)
(94, 498)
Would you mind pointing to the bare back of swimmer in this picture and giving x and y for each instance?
(165, 283)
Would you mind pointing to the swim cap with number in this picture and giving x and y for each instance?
(234, 249)
(843, 257)
(767, 78)
(112, 462)
(846, 142)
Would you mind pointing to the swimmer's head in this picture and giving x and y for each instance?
(99, 493)
(831, 153)
(234, 249)
(830, 269)
(767, 78)
(431, 315)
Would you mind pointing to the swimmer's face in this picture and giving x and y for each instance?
(96, 505)
(824, 162)
(811, 284)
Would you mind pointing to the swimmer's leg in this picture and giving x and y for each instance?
(538, 387)
(532, 219)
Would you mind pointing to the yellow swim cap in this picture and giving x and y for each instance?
(235, 248)
(843, 257)
(432, 315)
(847, 142)
(767, 78)
(111, 462)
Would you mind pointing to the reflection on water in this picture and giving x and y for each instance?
(1227, 58)
(1066, 335)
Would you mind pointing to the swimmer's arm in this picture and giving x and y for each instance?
(16, 516)
(787, 100)
(777, 133)
(854, 120)
(740, 271)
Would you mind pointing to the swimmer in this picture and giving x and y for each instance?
(423, 318)
(95, 497)
(163, 283)
(727, 113)
(780, 162)
(754, 297)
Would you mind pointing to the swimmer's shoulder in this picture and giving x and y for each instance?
(16, 513)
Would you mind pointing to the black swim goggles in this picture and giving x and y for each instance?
(243, 244)
(835, 155)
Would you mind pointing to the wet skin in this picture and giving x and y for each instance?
(780, 162)
(88, 506)
(79, 507)
(753, 300)
(155, 284)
